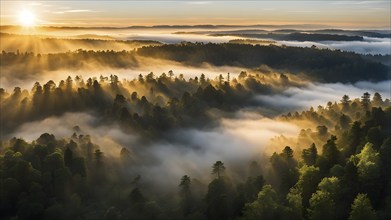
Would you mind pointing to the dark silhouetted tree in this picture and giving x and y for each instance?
(218, 168)
(310, 155)
(185, 194)
(366, 100)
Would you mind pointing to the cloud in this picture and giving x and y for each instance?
(40, 4)
(79, 10)
(305, 11)
(34, 3)
(75, 11)
(356, 2)
(198, 2)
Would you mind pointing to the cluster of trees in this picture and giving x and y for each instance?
(72, 178)
(320, 64)
(60, 179)
(353, 168)
(338, 117)
(150, 103)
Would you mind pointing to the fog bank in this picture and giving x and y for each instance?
(298, 98)
(236, 141)
(370, 45)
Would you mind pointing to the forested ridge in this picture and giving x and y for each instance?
(297, 36)
(57, 44)
(322, 65)
(319, 64)
(338, 170)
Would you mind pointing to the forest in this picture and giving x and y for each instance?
(195, 110)
(108, 115)
(336, 167)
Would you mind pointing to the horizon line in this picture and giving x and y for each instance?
(193, 26)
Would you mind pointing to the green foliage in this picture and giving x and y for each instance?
(310, 155)
(368, 163)
(330, 155)
(285, 166)
(330, 185)
(362, 209)
(322, 206)
(266, 206)
(355, 136)
(295, 201)
(307, 183)
(218, 199)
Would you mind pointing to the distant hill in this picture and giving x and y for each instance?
(300, 37)
(46, 44)
(319, 64)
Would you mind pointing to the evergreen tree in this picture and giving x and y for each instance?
(218, 168)
(362, 209)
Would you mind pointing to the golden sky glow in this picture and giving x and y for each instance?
(26, 18)
(127, 13)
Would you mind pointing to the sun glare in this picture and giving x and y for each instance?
(26, 18)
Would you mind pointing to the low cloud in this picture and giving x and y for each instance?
(75, 11)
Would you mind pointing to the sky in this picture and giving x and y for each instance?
(364, 14)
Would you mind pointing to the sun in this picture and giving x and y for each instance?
(26, 18)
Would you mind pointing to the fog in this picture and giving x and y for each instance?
(110, 138)
(370, 45)
(236, 141)
(298, 98)
(177, 38)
